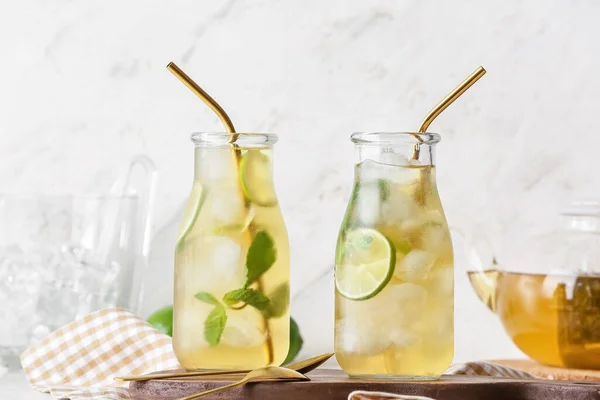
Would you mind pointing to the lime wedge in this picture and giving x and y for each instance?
(191, 212)
(235, 227)
(367, 265)
(257, 182)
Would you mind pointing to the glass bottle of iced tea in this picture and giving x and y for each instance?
(231, 306)
(394, 274)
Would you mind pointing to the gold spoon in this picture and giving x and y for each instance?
(302, 367)
(258, 375)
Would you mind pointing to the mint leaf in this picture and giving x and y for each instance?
(261, 256)
(384, 189)
(280, 300)
(215, 325)
(207, 298)
(251, 297)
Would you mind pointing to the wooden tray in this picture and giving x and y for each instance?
(335, 385)
(544, 371)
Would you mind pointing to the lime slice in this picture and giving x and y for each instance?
(192, 210)
(257, 182)
(237, 227)
(367, 265)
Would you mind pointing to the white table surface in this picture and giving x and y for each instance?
(13, 385)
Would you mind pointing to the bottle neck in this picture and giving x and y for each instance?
(397, 155)
(225, 164)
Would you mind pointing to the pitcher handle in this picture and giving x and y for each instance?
(146, 189)
(476, 247)
(481, 262)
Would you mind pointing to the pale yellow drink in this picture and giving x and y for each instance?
(394, 275)
(232, 208)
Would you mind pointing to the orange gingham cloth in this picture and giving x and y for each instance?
(81, 359)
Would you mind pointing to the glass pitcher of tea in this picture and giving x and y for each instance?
(546, 290)
(231, 306)
(394, 273)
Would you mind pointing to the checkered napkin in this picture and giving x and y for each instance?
(471, 368)
(80, 360)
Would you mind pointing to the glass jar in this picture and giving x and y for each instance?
(394, 271)
(231, 306)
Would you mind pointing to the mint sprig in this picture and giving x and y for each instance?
(252, 297)
(260, 258)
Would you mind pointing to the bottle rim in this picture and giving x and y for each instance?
(395, 138)
(226, 139)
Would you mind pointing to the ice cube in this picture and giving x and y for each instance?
(402, 337)
(226, 205)
(368, 204)
(360, 337)
(216, 165)
(370, 326)
(95, 278)
(409, 302)
(370, 171)
(440, 321)
(388, 156)
(243, 329)
(415, 266)
(400, 209)
(441, 281)
(188, 325)
(20, 283)
(218, 264)
(436, 239)
(57, 306)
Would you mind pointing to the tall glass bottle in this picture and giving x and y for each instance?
(394, 271)
(231, 306)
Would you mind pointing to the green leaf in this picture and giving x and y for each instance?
(251, 297)
(280, 300)
(214, 325)
(295, 342)
(207, 298)
(261, 256)
(163, 320)
(384, 189)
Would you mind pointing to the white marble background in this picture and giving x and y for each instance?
(83, 87)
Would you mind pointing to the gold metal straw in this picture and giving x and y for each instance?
(449, 99)
(205, 97)
(442, 105)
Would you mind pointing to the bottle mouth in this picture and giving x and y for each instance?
(394, 138)
(247, 140)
